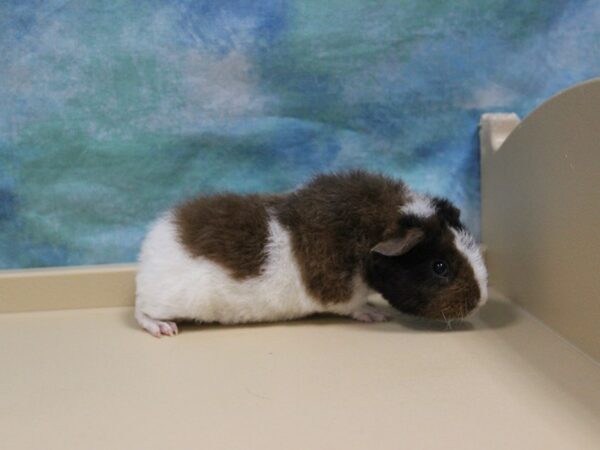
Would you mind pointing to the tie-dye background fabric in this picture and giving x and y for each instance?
(112, 111)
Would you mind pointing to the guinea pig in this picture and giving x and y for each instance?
(322, 248)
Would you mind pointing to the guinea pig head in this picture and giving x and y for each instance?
(431, 267)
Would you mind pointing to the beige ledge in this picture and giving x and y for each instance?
(67, 288)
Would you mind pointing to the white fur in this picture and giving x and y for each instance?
(465, 243)
(173, 285)
(418, 205)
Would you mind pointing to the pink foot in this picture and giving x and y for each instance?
(368, 314)
(156, 328)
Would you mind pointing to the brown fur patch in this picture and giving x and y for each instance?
(334, 221)
(230, 229)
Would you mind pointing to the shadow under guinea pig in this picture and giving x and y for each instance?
(497, 314)
(494, 315)
(398, 323)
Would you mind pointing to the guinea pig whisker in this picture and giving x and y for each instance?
(448, 324)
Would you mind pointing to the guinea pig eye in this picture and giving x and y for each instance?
(440, 268)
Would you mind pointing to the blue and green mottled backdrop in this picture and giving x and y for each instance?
(112, 111)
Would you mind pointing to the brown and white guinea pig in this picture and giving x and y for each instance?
(323, 248)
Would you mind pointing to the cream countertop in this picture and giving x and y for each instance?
(90, 379)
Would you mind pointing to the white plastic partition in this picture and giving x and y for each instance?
(541, 211)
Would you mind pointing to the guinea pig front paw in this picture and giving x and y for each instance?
(368, 314)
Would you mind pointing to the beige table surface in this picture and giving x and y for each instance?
(90, 379)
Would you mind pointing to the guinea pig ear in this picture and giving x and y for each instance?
(447, 211)
(400, 245)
